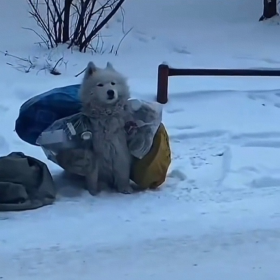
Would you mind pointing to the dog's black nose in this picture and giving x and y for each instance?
(110, 93)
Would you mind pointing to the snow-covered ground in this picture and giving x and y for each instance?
(217, 216)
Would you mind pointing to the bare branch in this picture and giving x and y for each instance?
(85, 43)
(14, 56)
(66, 21)
(80, 73)
(35, 13)
(57, 63)
(75, 22)
(79, 25)
(119, 44)
(44, 40)
(32, 64)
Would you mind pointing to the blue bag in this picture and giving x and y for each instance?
(42, 110)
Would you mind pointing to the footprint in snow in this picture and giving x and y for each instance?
(177, 174)
(181, 50)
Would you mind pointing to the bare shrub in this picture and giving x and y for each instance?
(73, 22)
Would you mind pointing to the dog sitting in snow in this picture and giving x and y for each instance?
(104, 95)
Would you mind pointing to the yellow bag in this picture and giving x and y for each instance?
(150, 171)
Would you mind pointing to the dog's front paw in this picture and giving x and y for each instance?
(126, 190)
(91, 183)
(93, 190)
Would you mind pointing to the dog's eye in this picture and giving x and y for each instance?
(112, 83)
(100, 85)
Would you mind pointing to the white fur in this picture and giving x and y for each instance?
(108, 116)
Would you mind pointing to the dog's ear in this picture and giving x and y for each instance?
(109, 66)
(91, 68)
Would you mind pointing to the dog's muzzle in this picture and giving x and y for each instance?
(110, 94)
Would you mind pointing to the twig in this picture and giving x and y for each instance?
(58, 62)
(119, 44)
(14, 56)
(80, 73)
(54, 71)
(91, 35)
(45, 41)
(123, 18)
(31, 65)
(35, 13)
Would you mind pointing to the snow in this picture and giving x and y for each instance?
(217, 215)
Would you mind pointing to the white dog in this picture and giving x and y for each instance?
(104, 94)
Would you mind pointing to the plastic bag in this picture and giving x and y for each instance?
(147, 117)
(68, 133)
(74, 132)
(42, 110)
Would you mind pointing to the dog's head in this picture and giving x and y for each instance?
(103, 87)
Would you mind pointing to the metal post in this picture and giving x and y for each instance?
(162, 87)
